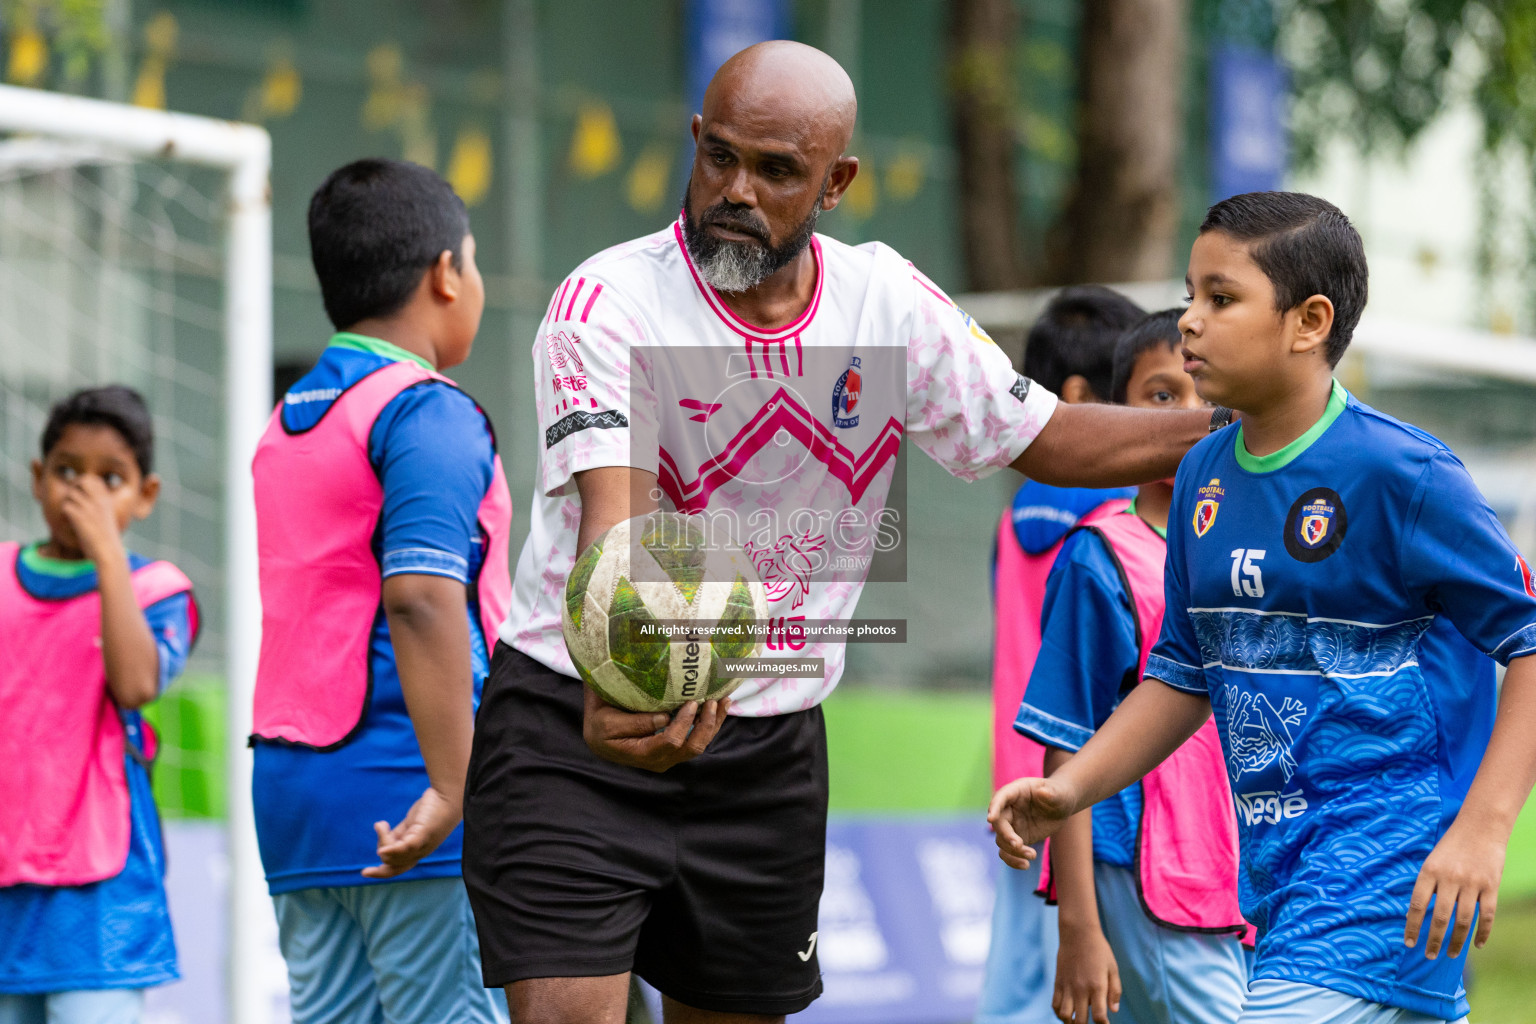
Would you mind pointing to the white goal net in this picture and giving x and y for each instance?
(135, 248)
(110, 272)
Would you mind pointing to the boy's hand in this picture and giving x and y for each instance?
(88, 507)
(1087, 977)
(1026, 811)
(431, 819)
(1462, 875)
(650, 740)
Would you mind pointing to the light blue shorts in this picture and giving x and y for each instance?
(405, 952)
(1166, 976)
(1291, 1002)
(1021, 961)
(100, 1006)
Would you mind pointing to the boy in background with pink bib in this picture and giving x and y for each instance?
(90, 632)
(1146, 882)
(382, 519)
(1070, 351)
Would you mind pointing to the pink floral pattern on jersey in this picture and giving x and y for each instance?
(957, 408)
(962, 411)
(923, 380)
(570, 515)
(553, 579)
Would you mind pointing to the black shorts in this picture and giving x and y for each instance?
(704, 879)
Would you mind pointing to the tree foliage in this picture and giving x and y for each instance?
(77, 30)
(1122, 214)
(984, 118)
(1379, 71)
(1506, 92)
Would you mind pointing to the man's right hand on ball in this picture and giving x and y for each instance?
(1026, 811)
(650, 739)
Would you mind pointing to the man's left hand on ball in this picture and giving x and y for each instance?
(650, 739)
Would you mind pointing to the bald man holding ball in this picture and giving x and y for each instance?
(689, 848)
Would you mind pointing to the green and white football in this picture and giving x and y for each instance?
(652, 569)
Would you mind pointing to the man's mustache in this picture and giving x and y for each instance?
(723, 215)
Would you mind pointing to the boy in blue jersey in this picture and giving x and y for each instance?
(1336, 586)
(1070, 351)
(1090, 657)
(360, 837)
(84, 953)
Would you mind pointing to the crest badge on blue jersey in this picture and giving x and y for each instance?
(845, 396)
(1207, 507)
(1315, 526)
(1205, 515)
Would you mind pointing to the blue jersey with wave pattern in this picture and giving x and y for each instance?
(1339, 602)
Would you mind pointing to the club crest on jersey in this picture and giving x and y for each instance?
(1526, 576)
(1315, 526)
(845, 396)
(1316, 519)
(1208, 505)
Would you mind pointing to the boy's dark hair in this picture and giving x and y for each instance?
(1075, 336)
(115, 406)
(1305, 246)
(1155, 329)
(375, 226)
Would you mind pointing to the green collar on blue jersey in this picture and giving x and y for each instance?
(1285, 456)
(378, 346)
(61, 568)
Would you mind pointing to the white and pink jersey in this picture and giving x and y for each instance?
(788, 438)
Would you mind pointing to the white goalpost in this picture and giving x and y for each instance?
(137, 305)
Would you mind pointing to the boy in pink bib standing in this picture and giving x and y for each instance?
(1070, 350)
(91, 632)
(382, 516)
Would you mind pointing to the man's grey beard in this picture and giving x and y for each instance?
(735, 266)
(730, 266)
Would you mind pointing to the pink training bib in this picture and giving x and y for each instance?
(64, 802)
(1186, 848)
(1018, 600)
(318, 502)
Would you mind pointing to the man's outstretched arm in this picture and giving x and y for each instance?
(1110, 445)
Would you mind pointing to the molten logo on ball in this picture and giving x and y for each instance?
(626, 595)
(690, 687)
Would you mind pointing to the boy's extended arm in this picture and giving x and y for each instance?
(429, 627)
(1462, 872)
(1087, 977)
(1151, 723)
